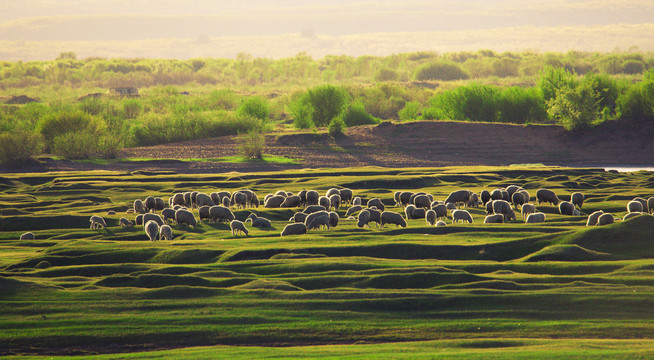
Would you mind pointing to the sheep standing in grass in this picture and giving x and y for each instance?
(577, 199)
(650, 204)
(356, 201)
(364, 217)
(294, 229)
(418, 213)
(408, 211)
(168, 214)
(335, 201)
(203, 212)
(441, 211)
(634, 206)
(274, 201)
(353, 210)
(151, 230)
(376, 203)
(291, 202)
(177, 199)
(642, 202)
(632, 215)
(430, 217)
(258, 222)
(156, 218)
(537, 217)
(422, 201)
(194, 195)
(333, 219)
(238, 227)
(202, 199)
(298, 217)
(150, 204)
(240, 200)
(97, 222)
(566, 208)
(485, 196)
(512, 189)
(220, 213)
(312, 197)
(324, 201)
(592, 218)
(346, 196)
(27, 236)
(461, 215)
(496, 194)
(391, 217)
(440, 223)
(165, 233)
(605, 219)
(473, 201)
(139, 207)
(525, 195)
(138, 220)
(314, 208)
(183, 216)
(527, 209)
(319, 222)
(518, 199)
(503, 207)
(548, 196)
(332, 191)
(187, 199)
(405, 198)
(314, 215)
(124, 222)
(494, 219)
(459, 197)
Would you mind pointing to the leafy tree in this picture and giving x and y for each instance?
(254, 106)
(328, 102)
(355, 114)
(440, 71)
(575, 107)
(553, 79)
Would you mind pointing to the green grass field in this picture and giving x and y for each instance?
(515, 290)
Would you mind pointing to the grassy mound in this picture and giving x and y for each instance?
(568, 253)
(260, 284)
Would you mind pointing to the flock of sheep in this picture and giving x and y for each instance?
(320, 211)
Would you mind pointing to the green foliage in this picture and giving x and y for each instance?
(385, 74)
(254, 106)
(554, 78)
(132, 108)
(355, 114)
(633, 67)
(473, 102)
(445, 71)
(336, 127)
(576, 107)
(521, 106)
(637, 103)
(328, 102)
(19, 147)
(410, 111)
(301, 112)
(67, 121)
(252, 144)
(75, 145)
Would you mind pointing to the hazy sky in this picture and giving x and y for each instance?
(137, 20)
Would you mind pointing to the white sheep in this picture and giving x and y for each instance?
(97, 221)
(152, 230)
(592, 218)
(430, 217)
(294, 229)
(461, 215)
(165, 233)
(537, 217)
(183, 216)
(391, 217)
(319, 222)
(258, 222)
(124, 222)
(27, 236)
(527, 209)
(238, 226)
(494, 218)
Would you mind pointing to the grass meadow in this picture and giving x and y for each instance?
(476, 291)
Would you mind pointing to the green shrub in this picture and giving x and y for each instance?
(473, 102)
(19, 147)
(254, 106)
(223, 99)
(637, 103)
(327, 102)
(553, 79)
(410, 111)
(109, 146)
(67, 121)
(92, 106)
(633, 67)
(440, 71)
(575, 108)
(75, 145)
(132, 108)
(302, 113)
(355, 114)
(520, 106)
(336, 127)
(505, 67)
(252, 144)
(385, 74)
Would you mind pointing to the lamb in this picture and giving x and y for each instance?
(274, 201)
(187, 199)
(332, 191)
(441, 211)
(183, 216)
(485, 196)
(335, 201)
(577, 199)
(139, 207)
(605, 219)
(634, 206)
(391, 217)
(313, 208)
(422, 201)
(204, 213)
(525, 195)
(238, 227)
(592, 218)
(96, 222)
(168, 214)
(405, 198)
(194, 195)
(138, 220)
(165, 232)
(356, 201)
(177, 199)
(632, 215)
(459, 196)
(419, 213)
(566, 208)
(503, 207)
(527, 209)
(364, 217)
(202, 199)
(281, 193)
(294, 229)
(324, 201)
(494, 219)
(473, 201)
(150, 204)
(312, 197)
(156, 218)
(226, 201)
(333, 219)
(220, 213)
(124, 222)
(292, 201)
(258, 222)
(548, 196)
(239, 199)
(440, 223)
(376, 202)
(27, 236)
(496, 194)
(298, 217)
(224, 194)
(537, 217)
(319, 222)
(314, 215)
(518, 199)
(461, 215)
(353, 210)
(650, 204)
(512, 189)
(408, 211)
(346, 196)
(643, 202)
(152, 230)
(430, 217)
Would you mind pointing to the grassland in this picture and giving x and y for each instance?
(552, 290)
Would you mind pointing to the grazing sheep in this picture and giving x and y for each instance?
(224, 194)
(324, 201)
(430, 217)
(165, 233)
(239, 199)
(650, 204)
(124, 222)
(422, 201)
(202, 199)
(405, 198)
(332, 191)
(364, 217)
(496, 194)
(634, 206)
(605, 219)
(183, 216)
(226, 201)
(27, 236)
(494, 219)
(450, 206)
(219, 213)
(258, 222)
(391, 217)
(150, 204)
(473, 201)
(485, 196)
(152, 217)
(353, 210)
(511, 189)
(527, 209)
(503, 207)
(313, 208)
(314, 215)
(203, 212)
(111, 212)
(139, 207)
(548, 196)
(461, 215)
(592, 218)
(280, 193)
(303, 197)
(96, 222)
(274, 201)
(408, 211)
(194, 195)
(643, 202)
(525, 195)
(632, 215)
(440, 223)
(418, 213)
(335, 201)
(505, 195)
(138, 220)
(333, 219)
(187, 199)
(294, 229)
(346, 196)
(255, 201)
(312, 197)
(238, 227)
(152, 230)
(537, 217)
(577, 199)
(292, 201)
(489, 207)
(177, 199)
(319, 222)
(396, 197)
(159, 204)
(249, 195)
(413, 196)
(459, 196)
(356, 201)
(518, 199)
(566, 208)
(216, 198)
(298, 217)
(168, 214)
(441, 211)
